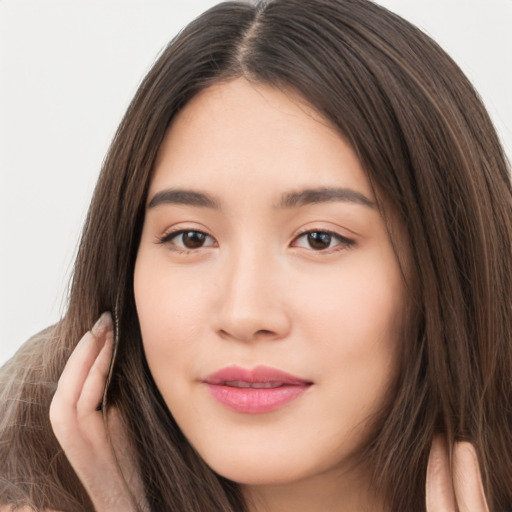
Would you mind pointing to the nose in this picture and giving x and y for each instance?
(251, 302)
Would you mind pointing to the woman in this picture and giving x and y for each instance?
(303, 232)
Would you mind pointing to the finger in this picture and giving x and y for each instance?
(467, 480)
(77, 370)
(94, 385)
(440, 496)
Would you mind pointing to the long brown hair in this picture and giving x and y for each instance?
(431, 153)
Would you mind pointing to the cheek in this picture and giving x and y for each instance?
(343, 335)
(354, 308)
(354, 321)
(171, 308)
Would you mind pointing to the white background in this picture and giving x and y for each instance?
(68, 70)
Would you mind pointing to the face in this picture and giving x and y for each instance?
(268, 294)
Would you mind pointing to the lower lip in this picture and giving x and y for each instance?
(256, 400)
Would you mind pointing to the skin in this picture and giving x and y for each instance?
(257, 291)
(80, 429)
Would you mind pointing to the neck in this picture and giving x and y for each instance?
(328, 493)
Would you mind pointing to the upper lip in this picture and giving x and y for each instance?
(259, 374)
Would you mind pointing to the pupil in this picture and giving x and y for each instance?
(319, 240)
(193, 239)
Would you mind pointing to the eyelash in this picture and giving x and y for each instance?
(169, 237)
(343, 242)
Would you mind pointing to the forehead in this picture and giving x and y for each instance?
(241, 135)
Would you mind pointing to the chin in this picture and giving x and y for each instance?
(258, 474)
(268, 466)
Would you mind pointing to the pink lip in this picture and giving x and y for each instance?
(255, 391)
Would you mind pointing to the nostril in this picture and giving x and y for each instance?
(247, 336)
(264, 332)
(256, 322)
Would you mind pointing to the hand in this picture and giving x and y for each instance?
(460, 490)
(80, 427)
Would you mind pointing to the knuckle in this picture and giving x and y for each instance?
(60, 416)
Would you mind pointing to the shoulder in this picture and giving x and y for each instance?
(30, 351)
(28, 447)
(10, 508)
(27, 382)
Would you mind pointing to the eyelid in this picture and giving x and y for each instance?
(345, 242)
(170, 235)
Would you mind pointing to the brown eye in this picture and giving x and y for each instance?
(319, 240)
(193, 239)
(322, 241)
(187, 240)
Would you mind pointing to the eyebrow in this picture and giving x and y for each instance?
(288, 200)
(323, 195)
(188, 197)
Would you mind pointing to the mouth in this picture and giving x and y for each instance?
(260, 390)
(252, 385)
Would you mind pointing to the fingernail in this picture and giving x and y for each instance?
(104, 323)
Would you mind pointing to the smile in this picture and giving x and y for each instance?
(256, 391)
